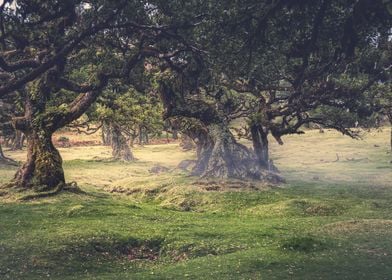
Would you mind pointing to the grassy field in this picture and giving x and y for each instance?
(331, 220)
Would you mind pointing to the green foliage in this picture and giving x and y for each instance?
(132, 110)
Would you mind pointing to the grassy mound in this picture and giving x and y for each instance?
(332, 220)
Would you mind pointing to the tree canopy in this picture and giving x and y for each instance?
(277, 64)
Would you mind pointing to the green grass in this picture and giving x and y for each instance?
(332, 220)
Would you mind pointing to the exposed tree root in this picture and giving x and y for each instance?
(6, 160)
(55, 191)
(8, 186)
(70, 187)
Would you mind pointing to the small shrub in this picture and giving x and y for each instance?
(64, 142)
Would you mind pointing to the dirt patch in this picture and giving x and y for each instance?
(131, 249)
(145, 251)
(191, 251)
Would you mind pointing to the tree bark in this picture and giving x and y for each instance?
(2, 156)
(219, 155)
(175, 133)
(106, 134)
(224, 157)
(147, 139)
(260, 145)
(17, 142)
(187, 143)
(43, 169)
(120, 147)
(140, 135)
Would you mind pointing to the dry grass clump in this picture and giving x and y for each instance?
(373, 227)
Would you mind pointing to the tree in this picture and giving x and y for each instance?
(127, 115)
(44, 43)
(5, 129)
(207, 123)
(288, 55)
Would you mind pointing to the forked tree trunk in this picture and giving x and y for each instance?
(43, 168)
(120, 147)
(224, 157)
(260, 145)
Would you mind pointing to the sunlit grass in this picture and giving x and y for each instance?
(332, 220)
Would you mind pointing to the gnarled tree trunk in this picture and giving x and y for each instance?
(218, 153)
(43, 168)
(120, 147)
(224, 157)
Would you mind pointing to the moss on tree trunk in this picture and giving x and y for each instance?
(43, 170)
